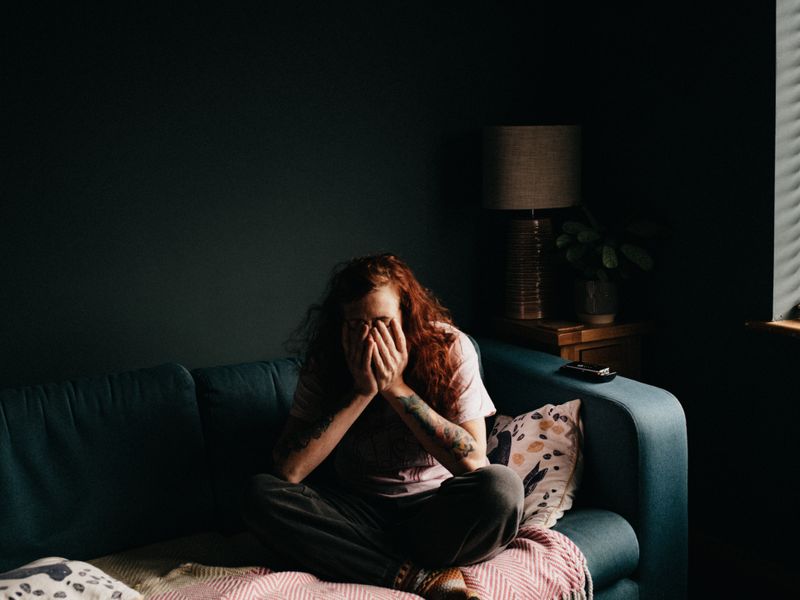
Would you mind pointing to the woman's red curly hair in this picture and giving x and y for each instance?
(429, 371)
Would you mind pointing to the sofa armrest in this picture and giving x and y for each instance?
(635, 452)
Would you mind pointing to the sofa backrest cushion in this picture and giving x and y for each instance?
(96, 465)
(243, 408)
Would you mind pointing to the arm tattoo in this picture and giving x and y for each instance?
(452, 437)
(301, 439)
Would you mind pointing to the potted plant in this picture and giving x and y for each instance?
(603, 257)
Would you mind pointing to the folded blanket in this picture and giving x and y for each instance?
(540, 564)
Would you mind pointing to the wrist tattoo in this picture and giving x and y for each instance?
(301, 439)
(452, 437)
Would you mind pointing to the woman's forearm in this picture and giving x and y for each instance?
(303, 445)
(450, 444)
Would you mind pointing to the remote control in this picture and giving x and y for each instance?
(588, 371)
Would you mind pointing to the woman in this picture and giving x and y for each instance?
(392, 388)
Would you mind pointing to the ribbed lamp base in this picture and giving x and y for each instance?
(530, 283)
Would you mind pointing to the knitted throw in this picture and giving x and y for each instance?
(540, 564)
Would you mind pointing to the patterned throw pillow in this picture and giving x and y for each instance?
(60, 578)
(544, 448)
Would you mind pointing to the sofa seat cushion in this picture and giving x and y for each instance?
(623, 589)
(607, 541)
(167, 566)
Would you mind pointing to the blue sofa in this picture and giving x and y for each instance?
(102, 464)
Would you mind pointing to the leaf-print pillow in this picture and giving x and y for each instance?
(56, 577)
(543, 447)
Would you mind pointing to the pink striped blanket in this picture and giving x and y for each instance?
(540, 564)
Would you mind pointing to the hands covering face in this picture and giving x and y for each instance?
(376, 356)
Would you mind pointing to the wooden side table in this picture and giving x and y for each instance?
(618, 345)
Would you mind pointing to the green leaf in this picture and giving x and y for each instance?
(564, 240)
(602, 275)
(638, 256)
(573, 227)
(575, 253)
(589, 235)
(610, 258)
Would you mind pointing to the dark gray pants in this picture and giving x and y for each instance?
(341, 536)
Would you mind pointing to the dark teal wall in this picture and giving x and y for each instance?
(182, 182)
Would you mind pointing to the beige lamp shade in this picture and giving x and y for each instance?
(531, 167)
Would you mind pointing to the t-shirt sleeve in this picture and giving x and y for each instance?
(308, 400)
(474, 402)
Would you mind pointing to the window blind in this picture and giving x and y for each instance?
(786, 268)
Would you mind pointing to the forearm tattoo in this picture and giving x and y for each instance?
(451, 437)
(301, 439)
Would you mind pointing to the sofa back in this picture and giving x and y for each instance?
(243, 408)
(96, 465)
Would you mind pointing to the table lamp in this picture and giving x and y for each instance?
(530, 170)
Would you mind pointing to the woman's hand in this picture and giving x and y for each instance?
(359, 350)
(390, 356)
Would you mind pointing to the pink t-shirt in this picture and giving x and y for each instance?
(379, 454)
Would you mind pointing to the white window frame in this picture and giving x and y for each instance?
(786, 258)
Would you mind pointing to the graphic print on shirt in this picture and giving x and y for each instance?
(379, 449)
